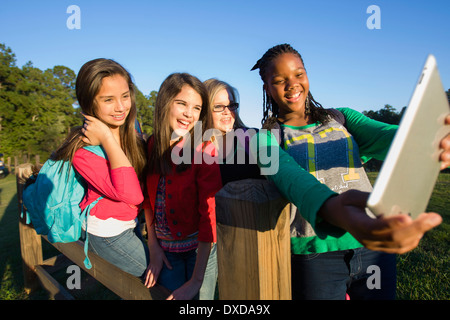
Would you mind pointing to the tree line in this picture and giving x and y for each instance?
(38, 108)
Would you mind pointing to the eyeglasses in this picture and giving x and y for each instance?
(221, 107)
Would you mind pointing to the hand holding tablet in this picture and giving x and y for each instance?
(409, 172)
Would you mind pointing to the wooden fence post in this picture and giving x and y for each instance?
(253, 242)
(30, 241)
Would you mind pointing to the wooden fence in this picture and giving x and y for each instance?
(253, 249)
(13, 165)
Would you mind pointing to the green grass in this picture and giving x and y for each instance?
(11, 273)
(10, 260)
(423, 273)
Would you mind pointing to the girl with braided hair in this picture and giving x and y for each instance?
(330, 230)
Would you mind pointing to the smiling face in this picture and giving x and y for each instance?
(113, 101)
(287, 84)
(224, 120)
(185, 110)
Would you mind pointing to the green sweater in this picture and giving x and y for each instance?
(329, 153)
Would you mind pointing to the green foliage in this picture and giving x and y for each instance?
(145, 110)
(386, 115)
(38, 108)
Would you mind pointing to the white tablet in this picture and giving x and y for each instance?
(409, 172)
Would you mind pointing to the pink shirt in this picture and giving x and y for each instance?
(120, 188)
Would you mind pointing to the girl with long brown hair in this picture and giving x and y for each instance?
(180, 216)
(105, 93)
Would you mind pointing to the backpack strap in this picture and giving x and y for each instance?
(99, 151)
(337, 115)
(87, 262)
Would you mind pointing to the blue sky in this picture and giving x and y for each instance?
(348, 64)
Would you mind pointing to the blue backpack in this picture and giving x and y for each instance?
(52, 201)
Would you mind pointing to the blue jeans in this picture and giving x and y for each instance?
(182, 269)
(208, 289)
(126, 251)
(330, 275)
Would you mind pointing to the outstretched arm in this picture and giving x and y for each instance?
(396, 234)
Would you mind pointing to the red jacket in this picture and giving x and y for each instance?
(190, 202)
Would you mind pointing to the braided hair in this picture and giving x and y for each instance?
(313, 109)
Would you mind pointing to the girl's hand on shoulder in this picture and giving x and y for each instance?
(95, 131)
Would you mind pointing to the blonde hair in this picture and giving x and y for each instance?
(214, 86)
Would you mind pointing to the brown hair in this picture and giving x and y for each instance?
(88, 84)
(160, 157)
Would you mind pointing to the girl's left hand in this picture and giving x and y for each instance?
(187, 291)
(445, 145)
(95, 131)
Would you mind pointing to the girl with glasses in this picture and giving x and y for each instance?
(231, 136)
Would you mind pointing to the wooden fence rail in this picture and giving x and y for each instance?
(36, 270)
(25, 159)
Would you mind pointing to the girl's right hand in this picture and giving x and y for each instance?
(157, 258)
(95, 131)
(394, 234)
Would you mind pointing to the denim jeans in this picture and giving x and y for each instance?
(126, 251)
(182, 269)
(208, 289)
(330, 275)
